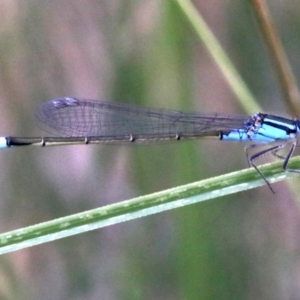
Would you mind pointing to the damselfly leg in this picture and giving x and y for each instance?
(274, 151)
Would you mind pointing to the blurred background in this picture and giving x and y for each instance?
(244, 246)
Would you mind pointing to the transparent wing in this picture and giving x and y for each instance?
(82, 117)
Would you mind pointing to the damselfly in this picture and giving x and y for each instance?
(83, 121)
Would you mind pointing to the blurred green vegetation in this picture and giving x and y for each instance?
(145, 52)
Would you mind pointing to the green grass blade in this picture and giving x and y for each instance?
(232, 76)
(143, 206)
